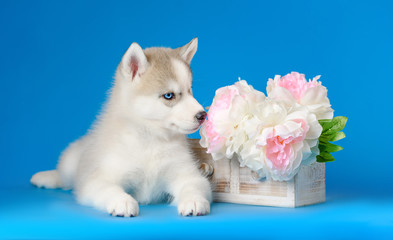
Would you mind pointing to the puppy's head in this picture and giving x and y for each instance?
(157, 87)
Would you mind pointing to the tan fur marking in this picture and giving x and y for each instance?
(156, 79)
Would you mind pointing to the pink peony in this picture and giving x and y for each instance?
(286, 141)
(210, 138)
(296, 84)
(216, 142)
(279, 148)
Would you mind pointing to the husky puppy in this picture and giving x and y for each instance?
(136, 151)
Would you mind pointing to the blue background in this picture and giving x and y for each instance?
(57, 61)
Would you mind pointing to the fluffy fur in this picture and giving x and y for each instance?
(137, 152)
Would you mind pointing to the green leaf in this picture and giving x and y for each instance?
(330, 147)
(337, 136)
(337, 124)
(324, 139)
(320, 159)
(323, 121)
(326, 124)
(327, 157)
(322, 147)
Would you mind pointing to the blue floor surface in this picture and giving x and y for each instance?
(31, 213)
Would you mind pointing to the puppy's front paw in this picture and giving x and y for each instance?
(123, 205)
(197, 206)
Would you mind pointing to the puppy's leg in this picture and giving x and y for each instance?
(192, 192)
(109, 197)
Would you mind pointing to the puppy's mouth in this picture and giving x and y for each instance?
(187, 130)
(195, 129)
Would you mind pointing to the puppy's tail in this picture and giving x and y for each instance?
(47, 179)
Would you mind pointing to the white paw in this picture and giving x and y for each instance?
(197, 206)
(46, 179)
(123, 205)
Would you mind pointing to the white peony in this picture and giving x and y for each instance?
(294, 90)
(232, 106)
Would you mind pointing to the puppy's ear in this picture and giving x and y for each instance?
(134, 61)
(187, 51)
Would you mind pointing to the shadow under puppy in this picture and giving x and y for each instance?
(136, 151)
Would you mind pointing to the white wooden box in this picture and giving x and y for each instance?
(235, 184)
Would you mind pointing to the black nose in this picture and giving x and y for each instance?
(201, 116)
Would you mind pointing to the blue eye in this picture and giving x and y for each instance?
(169, 96)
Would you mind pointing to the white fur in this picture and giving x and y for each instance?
(137, 151)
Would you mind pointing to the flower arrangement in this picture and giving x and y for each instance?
(273, 135)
